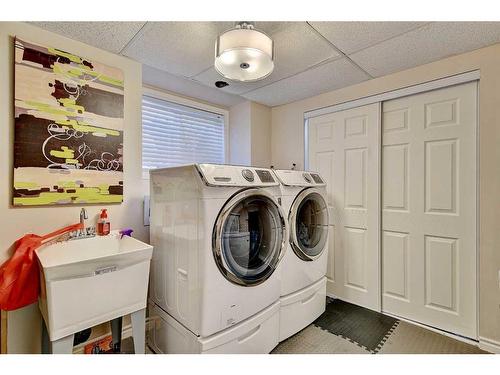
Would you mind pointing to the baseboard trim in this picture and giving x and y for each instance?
(331, 295)
(489, 345)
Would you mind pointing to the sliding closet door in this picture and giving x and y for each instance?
(344, 148)
(429, 208)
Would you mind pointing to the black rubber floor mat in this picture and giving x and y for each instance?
(366, 328)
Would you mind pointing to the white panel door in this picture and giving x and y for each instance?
(345, 147)
(429, 208)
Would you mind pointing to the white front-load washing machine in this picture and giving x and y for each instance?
(219, 234)
(303, 269)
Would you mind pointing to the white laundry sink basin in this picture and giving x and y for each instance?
(89, 281)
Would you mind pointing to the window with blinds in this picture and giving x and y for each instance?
(175, 134)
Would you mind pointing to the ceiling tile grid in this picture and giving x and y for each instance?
(296, 46)
(310, 57)
(329, 76)
(351, 37)
(166, 81)
(180, 48)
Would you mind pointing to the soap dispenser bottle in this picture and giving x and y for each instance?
(103, 225)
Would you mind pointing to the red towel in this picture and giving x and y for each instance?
(19, 275)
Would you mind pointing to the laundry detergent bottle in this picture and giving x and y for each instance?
(103, 225)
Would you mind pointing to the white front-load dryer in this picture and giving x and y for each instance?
(219, 234)
(303, 269)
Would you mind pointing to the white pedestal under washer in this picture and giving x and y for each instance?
(303, 269)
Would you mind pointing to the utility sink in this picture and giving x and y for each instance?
(89, 281)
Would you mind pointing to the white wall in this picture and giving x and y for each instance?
(261, 135)
(240, 134)
(250, 134)
(288, 147)
(23, 325)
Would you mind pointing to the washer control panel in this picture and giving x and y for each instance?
(233, 175)
(299, 178)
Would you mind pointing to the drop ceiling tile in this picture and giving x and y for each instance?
(271, 27)
(180, 48)
(297, 47)
(185, 86)
(350, 37)
(111, 36)
(210, 76)
(323, 78)
(426, 44)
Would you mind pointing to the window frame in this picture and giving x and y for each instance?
(188, 102)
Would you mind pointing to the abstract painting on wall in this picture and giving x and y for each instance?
(68, 128)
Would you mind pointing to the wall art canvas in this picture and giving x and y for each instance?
(68, 128)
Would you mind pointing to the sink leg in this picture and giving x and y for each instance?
(45, 339)
(63, 345)
(116, 331)
(139, 330)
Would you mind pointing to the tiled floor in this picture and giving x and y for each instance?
(405, 339)
(349, 329)
(346, 328)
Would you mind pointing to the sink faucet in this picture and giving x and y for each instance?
(84, 232)
(83, 217)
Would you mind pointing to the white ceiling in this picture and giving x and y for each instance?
(311, 57)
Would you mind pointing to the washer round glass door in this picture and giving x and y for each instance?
(249, 237)
(308, 224)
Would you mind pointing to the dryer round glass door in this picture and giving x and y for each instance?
(249, 237)
(309, 224)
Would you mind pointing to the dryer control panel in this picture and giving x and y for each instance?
(299, 178)
(234, 175)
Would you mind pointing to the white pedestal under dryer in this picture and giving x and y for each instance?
(219, 234)
(303, 269)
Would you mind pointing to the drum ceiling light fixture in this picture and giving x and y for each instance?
(244, 54)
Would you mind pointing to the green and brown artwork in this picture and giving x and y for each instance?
(68, 137)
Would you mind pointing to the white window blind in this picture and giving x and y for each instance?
(175, 134)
